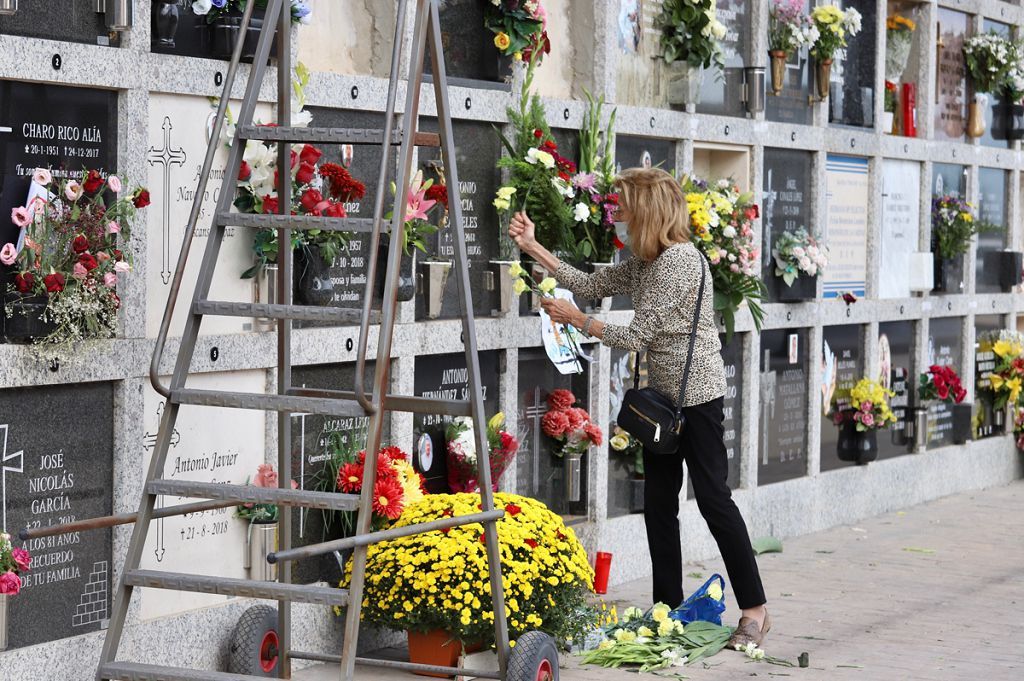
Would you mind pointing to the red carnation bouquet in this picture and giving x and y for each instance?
(462, 460)
(941, 383)
(569, 425)
(398, 485)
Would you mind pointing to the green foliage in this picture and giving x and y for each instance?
(689, 33)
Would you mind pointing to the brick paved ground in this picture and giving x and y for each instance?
(865, 607)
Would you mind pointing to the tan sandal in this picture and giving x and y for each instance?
(747, 632)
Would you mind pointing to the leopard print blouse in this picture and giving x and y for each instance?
(664, 294)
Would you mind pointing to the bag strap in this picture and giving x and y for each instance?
(693, 338)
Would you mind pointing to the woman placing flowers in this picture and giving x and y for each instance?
(663, 279)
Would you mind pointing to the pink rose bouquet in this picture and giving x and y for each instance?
(13, 562)
(266, 476)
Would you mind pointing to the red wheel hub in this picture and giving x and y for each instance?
(544, 672)
(269, 651)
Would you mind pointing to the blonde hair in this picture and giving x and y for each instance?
(656, 205)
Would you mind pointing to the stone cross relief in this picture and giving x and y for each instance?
(530, 420)
(168, 158)
(18, 467)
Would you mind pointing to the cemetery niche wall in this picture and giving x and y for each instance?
(842, 361)
(852, 86)
(986, 422)
(782, 422)
(896, 372)
(787, 207)
(945, 348)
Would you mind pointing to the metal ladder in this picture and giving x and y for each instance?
(289, 399)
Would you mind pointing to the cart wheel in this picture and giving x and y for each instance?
(535, 658)
(254, 643)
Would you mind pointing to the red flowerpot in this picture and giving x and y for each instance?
(435, 647)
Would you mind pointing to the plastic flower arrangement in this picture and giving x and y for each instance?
(439, 580)
(1007, 377)
(834, 27)
(941, 383)
(988, 58)
(215, 9)
(721, 219)
(397, 486)
(73, 249)
(798, 253)
(624, 444)
(519, 27)
(953, 226)
(655, 640)
(421, 199)
(868, 406)
(570, 426)
(13, 563)
(539, 177)
(691, 33)
(592, 191)
(899, 35)
(266, 476)
(1018, 427)
(789, 28)
(462, 453)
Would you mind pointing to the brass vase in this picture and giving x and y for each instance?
(778, 58)
(824, 73)
(976, 119)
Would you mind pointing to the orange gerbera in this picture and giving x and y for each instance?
(387, 498)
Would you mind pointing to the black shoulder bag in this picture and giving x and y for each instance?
(650, 416)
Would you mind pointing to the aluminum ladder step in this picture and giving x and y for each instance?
(251, 494)
(134, 671)
(247, 588)
(303, 222)
(311, 313)
(273, 402)
(274, 133)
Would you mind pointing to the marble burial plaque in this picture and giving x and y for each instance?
(620, 478)
(951, 71)
(787, 205)
(178, 129)
(896, 372)
(469, 51)
(842, 358)
(846, 220)
(901, 218)
(782, 423)
(992, 209)
(945, 344)
(314, 441)
(791, 106)
(445, 377)
(56, 445)
(732, 422)
(949, 178)
(208, 444)
(477, 151)
(722, 95)
(343, 283)
(852, 87)
(984, 363)
(539, 473)
(66, 129)
(74, 22)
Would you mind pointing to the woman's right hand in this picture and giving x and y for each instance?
(521, 230)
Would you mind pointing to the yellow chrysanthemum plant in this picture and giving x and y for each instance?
(868, 406)
(439, 580)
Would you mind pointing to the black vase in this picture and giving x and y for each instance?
(1014, 116)
(1007, 266)
(225, 30)
(949, 275)
(311, 277)
(856, 446)
(962, 415)
(166, 14)
(803, 288)
(406, 274)
(26, 322)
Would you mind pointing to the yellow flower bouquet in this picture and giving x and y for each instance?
(439, 580)
(1006, 380)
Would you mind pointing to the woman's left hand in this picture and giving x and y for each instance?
(562, 311)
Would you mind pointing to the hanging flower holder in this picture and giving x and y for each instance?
(28, 320)
(435, 277)
(778, 60)
(260, 540)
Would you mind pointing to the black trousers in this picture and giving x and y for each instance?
(703, 449)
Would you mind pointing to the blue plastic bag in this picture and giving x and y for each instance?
(702, 606)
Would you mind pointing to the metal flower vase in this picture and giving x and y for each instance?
(684, 84)
(573, 476)
(823, 77)
(260, 540)
(778, 59)
(5, 601)
(976, 116)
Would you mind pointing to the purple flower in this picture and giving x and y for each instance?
(219, 4)
(584, 181)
